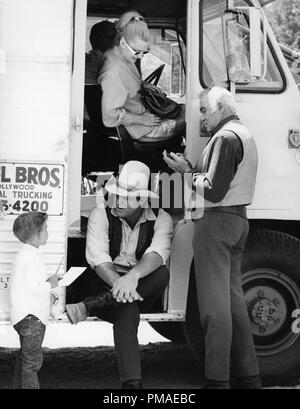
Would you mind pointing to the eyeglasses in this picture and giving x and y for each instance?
(135, 51)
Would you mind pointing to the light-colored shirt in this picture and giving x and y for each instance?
(97, 245)
(121, 102)
(29, 290)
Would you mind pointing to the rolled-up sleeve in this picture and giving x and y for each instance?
(163, 232)
(97, 240)
(114, 97)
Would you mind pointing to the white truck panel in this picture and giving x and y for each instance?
(36, 46)
(35, 78)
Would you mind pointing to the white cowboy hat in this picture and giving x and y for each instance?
(133, 180)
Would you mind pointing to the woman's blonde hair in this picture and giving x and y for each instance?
(132, 24)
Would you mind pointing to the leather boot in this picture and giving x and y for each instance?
(76, 312)
(80, 311)
(99, 301)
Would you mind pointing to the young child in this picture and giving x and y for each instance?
(30, 297)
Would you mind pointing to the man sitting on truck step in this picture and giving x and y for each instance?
(226, 181)
(127, 247)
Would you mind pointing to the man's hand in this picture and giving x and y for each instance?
(178, 162)
(124, 288)
(53, 280)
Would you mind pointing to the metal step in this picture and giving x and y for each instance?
(156, 317)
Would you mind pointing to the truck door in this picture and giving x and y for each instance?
(269, 106)
(268, 103)
(36, 61)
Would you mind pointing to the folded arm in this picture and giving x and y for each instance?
(156, 255)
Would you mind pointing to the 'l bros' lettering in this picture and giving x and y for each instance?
(43, 176)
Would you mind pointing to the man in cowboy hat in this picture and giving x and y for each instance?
(127, 247)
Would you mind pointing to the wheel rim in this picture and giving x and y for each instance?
(271, 297)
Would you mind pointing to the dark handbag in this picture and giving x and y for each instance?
(155, 100)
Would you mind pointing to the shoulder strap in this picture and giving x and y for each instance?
(230, 132)
(155, 211)
(114, 234)
(145, 236)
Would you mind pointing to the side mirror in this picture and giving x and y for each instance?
(176, 71)
(258, 48)
(246, 48)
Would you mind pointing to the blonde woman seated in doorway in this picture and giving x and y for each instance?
(121, 80)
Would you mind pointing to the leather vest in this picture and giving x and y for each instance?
(115, 235)
(242, 187)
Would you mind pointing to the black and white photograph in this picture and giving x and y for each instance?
(149, 197)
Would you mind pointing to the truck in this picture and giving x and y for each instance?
(43, 149)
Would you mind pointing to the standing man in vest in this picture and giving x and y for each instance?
(226, 180)
(127, 247)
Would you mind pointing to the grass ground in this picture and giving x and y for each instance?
(164, 366)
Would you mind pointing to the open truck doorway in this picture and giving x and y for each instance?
(104, 150)
(43, 133)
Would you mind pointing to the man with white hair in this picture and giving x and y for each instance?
(226, 180)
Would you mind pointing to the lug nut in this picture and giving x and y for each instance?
(260, 293)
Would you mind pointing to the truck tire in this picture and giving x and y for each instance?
(271, 282)
(170, 330)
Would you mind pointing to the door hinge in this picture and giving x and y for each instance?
(76, 123)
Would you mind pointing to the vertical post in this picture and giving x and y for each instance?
(76, 112)
(255, 42)
(232, 88)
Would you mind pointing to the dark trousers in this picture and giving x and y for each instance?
(219, 241)
(126, 318)
(30, 357)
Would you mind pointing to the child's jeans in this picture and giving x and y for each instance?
(30, 357)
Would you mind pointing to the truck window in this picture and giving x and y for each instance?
(225, 47)
(164, 49)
